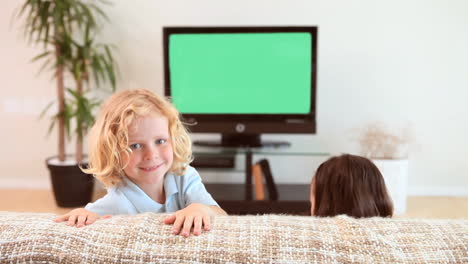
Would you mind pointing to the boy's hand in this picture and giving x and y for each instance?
(80, 217)
(195, 215)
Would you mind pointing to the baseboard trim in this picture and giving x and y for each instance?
(36, 184)
(437, 191)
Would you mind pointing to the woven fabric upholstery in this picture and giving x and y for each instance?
(34, 237)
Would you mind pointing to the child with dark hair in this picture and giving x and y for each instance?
(350, 185)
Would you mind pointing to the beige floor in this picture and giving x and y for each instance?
(418, 207)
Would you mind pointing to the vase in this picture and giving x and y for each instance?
(395, 173)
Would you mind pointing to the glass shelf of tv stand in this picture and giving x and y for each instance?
(292, 150)
(249, 152)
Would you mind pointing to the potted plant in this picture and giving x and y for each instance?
(66, 29)
(389, 152)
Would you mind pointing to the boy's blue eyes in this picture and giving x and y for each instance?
(160, 141)
(135, 146)
(138, 145)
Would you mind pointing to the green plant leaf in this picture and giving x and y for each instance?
(38, 57)
(52, 125)
(44, 111)
(99, 11)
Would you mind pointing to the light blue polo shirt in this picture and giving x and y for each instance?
(128, 198)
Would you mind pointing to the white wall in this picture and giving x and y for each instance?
(403, 63)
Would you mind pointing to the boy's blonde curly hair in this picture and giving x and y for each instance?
(108, 138)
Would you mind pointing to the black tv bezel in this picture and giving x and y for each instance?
(254, 123)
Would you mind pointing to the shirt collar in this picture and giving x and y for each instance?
(144, 203)
(170, 185)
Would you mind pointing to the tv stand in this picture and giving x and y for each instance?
(249, 143)
(219, 153)
(241, 140)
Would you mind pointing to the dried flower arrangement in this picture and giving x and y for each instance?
(378, 142)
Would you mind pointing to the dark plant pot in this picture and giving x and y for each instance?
(72, 187)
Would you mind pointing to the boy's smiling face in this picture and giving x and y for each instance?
(152, 153)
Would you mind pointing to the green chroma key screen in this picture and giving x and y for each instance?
(241, 73)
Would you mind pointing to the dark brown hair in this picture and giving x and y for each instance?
(350, 185)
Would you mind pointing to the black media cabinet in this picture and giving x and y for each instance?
(293, 199)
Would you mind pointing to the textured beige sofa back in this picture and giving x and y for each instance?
(32, 237)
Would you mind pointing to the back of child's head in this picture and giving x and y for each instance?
(109, 135)
(350, 185)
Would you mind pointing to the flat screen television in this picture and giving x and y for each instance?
(242, 81)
